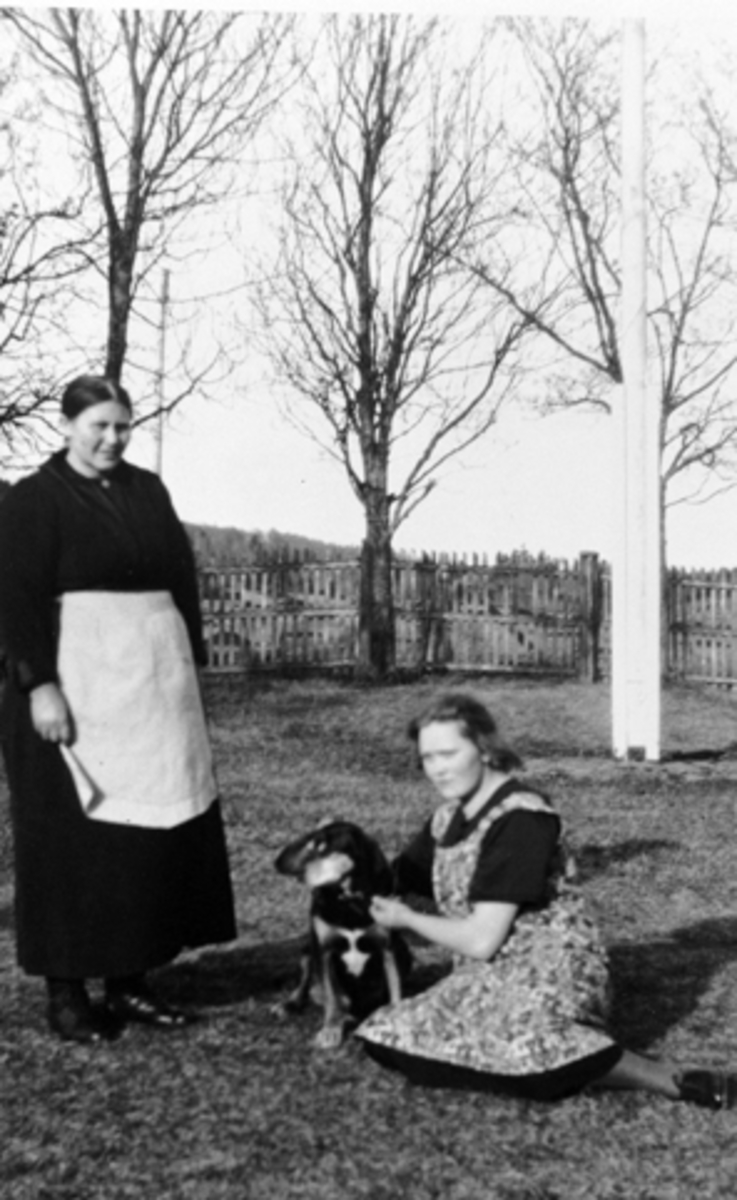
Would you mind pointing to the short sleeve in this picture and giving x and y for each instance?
(412, 868)
(516, 858)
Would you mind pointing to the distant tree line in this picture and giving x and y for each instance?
(216, 546)
(226, 546)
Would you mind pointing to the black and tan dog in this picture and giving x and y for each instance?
(351, 965)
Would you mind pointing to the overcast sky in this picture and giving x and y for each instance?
(547, 484)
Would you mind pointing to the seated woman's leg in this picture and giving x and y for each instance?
(709, 1088)
(634, 1071)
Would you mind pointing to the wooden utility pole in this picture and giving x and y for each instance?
(161, 375)
(636, 583)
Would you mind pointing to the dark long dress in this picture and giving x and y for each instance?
(95, 899)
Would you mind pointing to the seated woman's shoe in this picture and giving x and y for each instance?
(710, 1089)
(73, 1018)
(128, 1001)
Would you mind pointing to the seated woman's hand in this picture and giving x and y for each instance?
(50, 714)
(390, 913)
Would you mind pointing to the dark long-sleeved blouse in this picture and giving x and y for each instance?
(63, 532)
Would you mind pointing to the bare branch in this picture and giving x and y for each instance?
(164, 104)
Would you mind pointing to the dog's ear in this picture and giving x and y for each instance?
(325, 821)
(291, 860)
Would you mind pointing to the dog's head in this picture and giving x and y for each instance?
(337, 854)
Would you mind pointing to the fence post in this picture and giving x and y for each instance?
(591, 616)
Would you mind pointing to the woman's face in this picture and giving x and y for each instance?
(97, 438)
(451, 761)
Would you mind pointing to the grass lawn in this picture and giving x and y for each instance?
(243, 1107)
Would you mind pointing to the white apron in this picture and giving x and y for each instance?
(141, 754)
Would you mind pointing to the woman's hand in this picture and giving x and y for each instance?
(478, 935)
(50, 714)
(390, 913)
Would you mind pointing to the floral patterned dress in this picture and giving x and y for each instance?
(539, 1005)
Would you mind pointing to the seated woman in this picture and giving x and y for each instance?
(524, 1009)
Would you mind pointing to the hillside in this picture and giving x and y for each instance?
(217, 546)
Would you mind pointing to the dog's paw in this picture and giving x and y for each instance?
(287, 1008)
(330, 1037)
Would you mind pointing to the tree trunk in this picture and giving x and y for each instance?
(120, 284)
(376, 633)
(592, 609)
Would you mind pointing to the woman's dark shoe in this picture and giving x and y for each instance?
(138, 1003)
(710, 1089)
(72, 1016)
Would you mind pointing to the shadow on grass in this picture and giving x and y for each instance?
(268, 970)
(657, 985)
(232, 976)
(592, 858)
(660, 984)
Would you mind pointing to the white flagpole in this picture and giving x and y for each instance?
(636, 585)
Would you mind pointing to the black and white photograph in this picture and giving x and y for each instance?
(368, 602)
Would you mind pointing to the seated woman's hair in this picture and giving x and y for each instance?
(86, 390)
(477, 724)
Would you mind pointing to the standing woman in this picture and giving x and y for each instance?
(120, 855)
(524, 1010)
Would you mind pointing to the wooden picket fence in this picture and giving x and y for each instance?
(517, 615)
(702, 626)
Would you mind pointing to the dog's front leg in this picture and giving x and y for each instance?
(297, 999)
(330, 1035)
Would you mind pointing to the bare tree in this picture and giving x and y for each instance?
(40, 259)
(568, 177)
(694, 320)
(159, 107)
(369, 319)
(27, 270)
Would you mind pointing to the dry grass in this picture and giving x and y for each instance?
(243, 1107)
